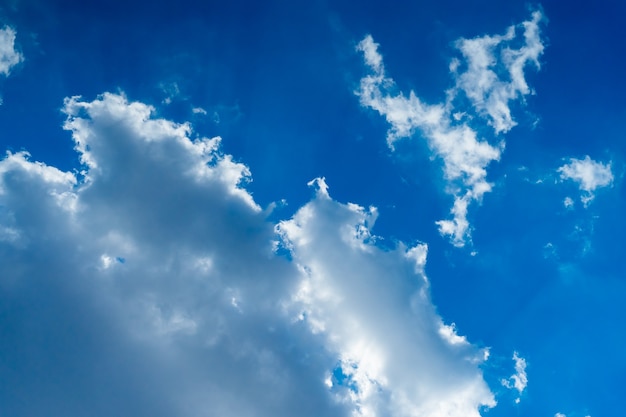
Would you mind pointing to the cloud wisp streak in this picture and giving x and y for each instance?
(490, 75)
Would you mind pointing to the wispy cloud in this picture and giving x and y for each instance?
(156, 265)
(490, 74)
(494, 71)
(519, 380)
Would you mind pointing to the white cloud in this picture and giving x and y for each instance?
(519, 380)
(9, 56)
(560, 415)
(150, 279)
(372, 308)
(494, 72)
(568, 202)
(199, 110)
(148, 286)
(489, 81)
(589, 174)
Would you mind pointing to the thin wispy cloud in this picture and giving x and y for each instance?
(490, 74)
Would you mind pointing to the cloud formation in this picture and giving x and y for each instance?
(589, 174)
(519, 380)
(494, 70)
(148, 279)
(372, 308)
(9, 56)
(151, 278)
(490, 74)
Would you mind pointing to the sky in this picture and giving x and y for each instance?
(364, 209)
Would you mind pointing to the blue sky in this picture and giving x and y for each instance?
(320, 208)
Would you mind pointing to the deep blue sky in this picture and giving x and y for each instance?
(279, 82)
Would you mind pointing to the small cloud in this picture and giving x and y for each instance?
(9, 56)
(458, 228)
(494, 72)
(549, 250)
(589, 174)
(198, 110)
(568, 202)
(519, 380)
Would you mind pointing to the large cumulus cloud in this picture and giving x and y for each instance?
(149, 284)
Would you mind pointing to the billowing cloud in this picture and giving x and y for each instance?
(589, 174)
(9, 56)
(519, 379)
(373, 309)
(148, 284)
(490, 74)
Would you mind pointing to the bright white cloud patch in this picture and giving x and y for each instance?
(491, 74)
(9, 56)
(494, 70)
(372, 307)
(589, 174)
(151, 279)
(519, 380)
